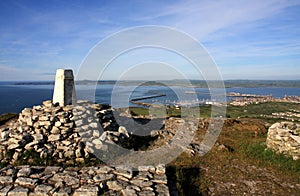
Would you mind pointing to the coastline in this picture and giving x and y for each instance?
(192, 83)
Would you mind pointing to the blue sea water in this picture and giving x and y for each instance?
(16, 97)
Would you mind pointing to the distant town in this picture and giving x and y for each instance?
(247, 99)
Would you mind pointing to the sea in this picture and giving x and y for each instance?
(16, 97)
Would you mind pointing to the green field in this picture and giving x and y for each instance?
(250, 111)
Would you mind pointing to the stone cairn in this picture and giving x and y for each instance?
(68, 135)
(51, 131)
(284, 137)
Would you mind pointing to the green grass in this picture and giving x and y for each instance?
(268, 157)
(255, 110)
(249, 111)
(244, 149)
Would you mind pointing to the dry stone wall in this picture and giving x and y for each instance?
(284, 137)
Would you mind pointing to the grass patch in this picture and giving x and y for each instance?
(268, 157)
(6, 117)
(255, 110)
(250, 111)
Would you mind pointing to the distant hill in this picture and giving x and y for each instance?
(197, 83)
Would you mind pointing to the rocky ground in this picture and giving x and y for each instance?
(53, 180)
(69, 136)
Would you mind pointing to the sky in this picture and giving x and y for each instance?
(246, 39)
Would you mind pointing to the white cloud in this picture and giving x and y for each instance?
(201, 18)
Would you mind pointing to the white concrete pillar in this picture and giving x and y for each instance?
(64, 88)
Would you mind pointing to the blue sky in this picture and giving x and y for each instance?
(247, 39)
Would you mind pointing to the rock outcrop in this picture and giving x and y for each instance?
(284, 138)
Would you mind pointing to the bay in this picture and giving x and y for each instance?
(16, 97)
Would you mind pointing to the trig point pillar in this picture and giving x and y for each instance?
(64, 88)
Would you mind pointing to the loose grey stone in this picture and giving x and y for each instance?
(79, 160)
(97, 142)
(141, 183)
(55, 130)
(64, 191)
(96, 133)
(5, 190)
(38, 137)
(66, 142)
(93, 125)
(123, 170)
(29, 121)
(69, 154)
(146, 193)
(43, 118)
(144, 176)
(14, 140)
(58, 124)
(103, 177)
(145, 168)
(52, 169)
(78, 153)
(18, 191)
(54, 137)
(27, 182)
(48, 103)
(41, 190)
(147, 188)
(68, 179)
(128, 192)
(24, 172)
(10, 171)
(30, 145)
(6, 180)
(4, 134)
(134, 187)
(160, 179)
(123, 131)
(104, 170)
(13, 146)
(16, 156)
(86, 191)
(114, 185)
(161, 188)
(122, 178)
(66, 131)
(103, 136)
(160, 169)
